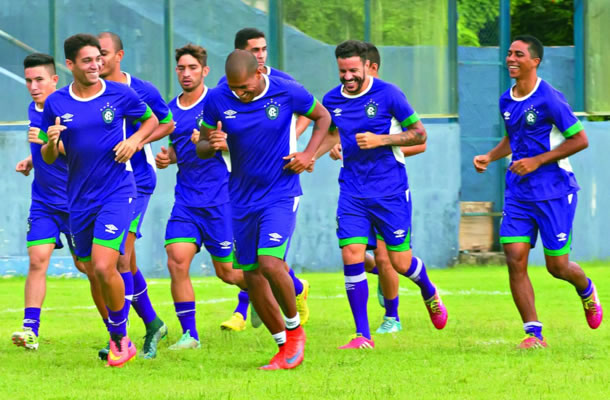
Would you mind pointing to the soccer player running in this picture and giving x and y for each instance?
(387, 288)
(541, 190)
(49, 208)
(374, 192)
(143, 165)
(252, 114)
(90, 116)
(201, 214)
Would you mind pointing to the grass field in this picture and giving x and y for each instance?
(474, 357)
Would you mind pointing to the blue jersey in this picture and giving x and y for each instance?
(50, 181)
(375, 172)
(143, 161)
(199, 183)
(95, 125)
(535, 124)
(270, 71)
(259, 134)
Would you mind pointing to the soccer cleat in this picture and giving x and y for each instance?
(593, 309)
(291, 354)
(255, 320)
(186, 342)
(389, 325)
(26, 338)
(358, 342)
(380, 298)
(151, 340)
(102, 354)
(532, 342)
(302, 307)
(235, 323)
(437, 311)
(121, 351)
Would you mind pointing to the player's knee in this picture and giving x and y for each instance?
(38, 265)
(226, 275)
(269, 266)
(177, 268)
(557, 269)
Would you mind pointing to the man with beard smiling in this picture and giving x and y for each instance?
(541, 190)
(374, 192)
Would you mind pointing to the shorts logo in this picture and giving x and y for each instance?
(399, 233)
(108, 113)
(562, 237)
(225, 245)
(531, 116)
(275, 237)
(272, 110)
(371, 109)
(111, 229)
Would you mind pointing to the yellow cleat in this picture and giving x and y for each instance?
(302, 307)
(235, 323)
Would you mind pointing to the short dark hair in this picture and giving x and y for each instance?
(535, 46)
(116, 39)
(74, 43)
(242, 37)
(372, 54)
(194, 50)
(38, 59)
(351, 48)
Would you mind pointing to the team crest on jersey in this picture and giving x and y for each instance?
(371, 109)
(108, 113)
(272, 109)
(531, 115)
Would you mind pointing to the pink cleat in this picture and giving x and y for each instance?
(359, 342)
(437, 311)
(593, 309)
(532, 342)
(119, 355)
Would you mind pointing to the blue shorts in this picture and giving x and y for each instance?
(45, 225)
(210, 226)
(522, 220)
(105, 225)
(359, 220)
(263, 231)
(139, 209)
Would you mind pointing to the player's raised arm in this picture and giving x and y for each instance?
(501, 150)
(50, 151)
(211, 141)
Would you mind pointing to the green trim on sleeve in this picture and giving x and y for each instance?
(573, 130)
(315, 101)
(167, 119)
(206, 125)
(42, 135)
(169, 141)
(411, 120)
(146, 115)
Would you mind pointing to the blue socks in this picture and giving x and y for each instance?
(391, 308)
(141, 302)
(186, 314)
(417, 273)
(533, 328)
(298, 286)
(117, 322)
(242, 305)
(128, 281)
(357, 290)
(374, 271)
(587, 292)
(31, 319)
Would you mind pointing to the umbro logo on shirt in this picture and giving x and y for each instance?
(67, 117)
(275, 237)
(506, 115)
(337, 112)
(399, 233)
(111, 229)
(562, 237)
(225, 245)
(230, 114)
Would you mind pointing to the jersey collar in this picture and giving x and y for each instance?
(527, 96)
(128, 76)
(38, 109)
(180, 106)
(95, 96)
(355, 96)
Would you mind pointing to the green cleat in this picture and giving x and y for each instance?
(26, 338)
(186, 342)
(102, 354)
(389, 325)
(151, 340)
